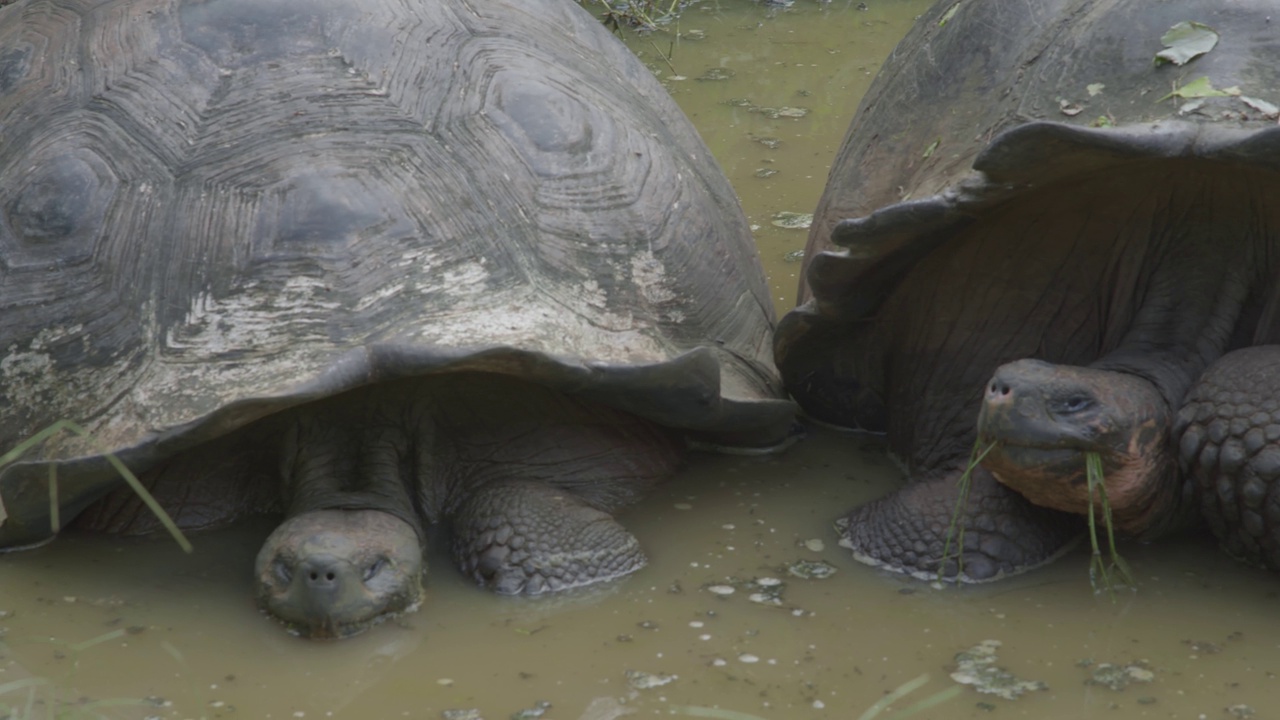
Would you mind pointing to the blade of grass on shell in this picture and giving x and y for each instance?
(131, 479)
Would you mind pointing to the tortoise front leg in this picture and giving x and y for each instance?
(1229, 444)
(526, 537)
(1004, 534)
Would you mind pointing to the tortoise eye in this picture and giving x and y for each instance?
(283, 571)
(1074, 404)
(374, 568)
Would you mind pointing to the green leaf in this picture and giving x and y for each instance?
(1185, 42)
(1201, 88)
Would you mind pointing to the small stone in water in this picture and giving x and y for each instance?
(815, 545)
(468, 714)
(766, 172)
(770, 142)
(719, 662)
(721, 589)
(643, 680)
(728, 526)
(693, 35)
(748, 658)
(764, 599)
(768, 582)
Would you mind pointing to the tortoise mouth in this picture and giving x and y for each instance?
(327, 627)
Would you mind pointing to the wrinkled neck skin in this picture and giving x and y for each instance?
(1044, 419)
(374, 454)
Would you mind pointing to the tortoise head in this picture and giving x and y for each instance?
(1045, 418)
(335, 573)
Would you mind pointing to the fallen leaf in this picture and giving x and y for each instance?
(1262, 106)
(1185, 42)
(1094, 88)
(1201, 88)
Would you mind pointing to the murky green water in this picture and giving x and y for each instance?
(184, 632)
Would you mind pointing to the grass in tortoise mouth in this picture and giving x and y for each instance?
(1104, 575)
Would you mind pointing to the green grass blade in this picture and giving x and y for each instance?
(55, 511)
(898, 692)
(707, 712)
(132, 480)
(81, 646)
(6, 688)
(1116, 568)
(930, 702)
(962, 501)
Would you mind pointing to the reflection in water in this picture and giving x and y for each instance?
(182, 631)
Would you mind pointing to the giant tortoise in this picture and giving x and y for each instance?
(380, 266)
(1042, 225)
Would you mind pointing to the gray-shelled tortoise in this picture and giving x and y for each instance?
(416, 263)
(1020, 187)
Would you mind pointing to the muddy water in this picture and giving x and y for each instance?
(728, 63)
(92, 622)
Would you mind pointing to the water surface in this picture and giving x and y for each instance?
(184, 632)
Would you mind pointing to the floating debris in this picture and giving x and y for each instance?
(782, 112)
(1119, 677)
(811, 569)
(793, 256)
(469, 714)
(1203, 647)
(766, 172)
(721, 589)
(772, 143)
(792, 220)
(693, 35)
(814, 544)
(643, 680)
(740, 102)
(716, 74)
(539, 709)
(1239, 711)
(765, 591)
(977, 667)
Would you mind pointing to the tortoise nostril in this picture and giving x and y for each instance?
(329, 576)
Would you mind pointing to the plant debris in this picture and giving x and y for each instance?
(1186, 41)
(1119, 677)
(644, 681)
(977, 667)
(792, 220)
